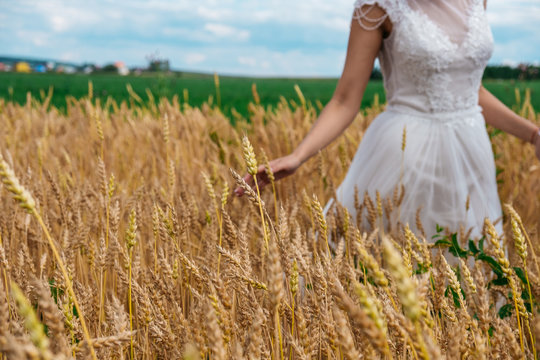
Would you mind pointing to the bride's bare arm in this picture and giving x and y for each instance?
(341, 110)
(343, 107)
(501, 117)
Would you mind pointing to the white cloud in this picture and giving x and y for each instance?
(509, 62)
(226, 31)
(259, 61)
(521, 13)
(194, 58)
(37, 38)
(336, 23)
(63, 17)
(262, 15)
(70, 56)
(333, 15)
(59, 23)
(272, 37)
(212, 13)
(521, 46)
(247, 60)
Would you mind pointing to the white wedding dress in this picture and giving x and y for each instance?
(432, 63)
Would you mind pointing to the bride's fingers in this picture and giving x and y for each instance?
(239, 191)
(262, 176)
(281, 174)
(262, 180)
(248, 179)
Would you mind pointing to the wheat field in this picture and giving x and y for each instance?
(120, 239)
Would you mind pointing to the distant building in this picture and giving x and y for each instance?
(23, 67)
(40, 68)
(68, 69)
(121, 67)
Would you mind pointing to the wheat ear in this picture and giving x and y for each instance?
(27, 202)
(31, 323)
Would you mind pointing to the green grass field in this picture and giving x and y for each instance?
(235, 91)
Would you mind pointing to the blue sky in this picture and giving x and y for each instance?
(246, 37)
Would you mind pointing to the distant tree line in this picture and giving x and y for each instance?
(521, 72)
(503, 72)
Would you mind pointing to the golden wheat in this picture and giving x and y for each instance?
(129, 252)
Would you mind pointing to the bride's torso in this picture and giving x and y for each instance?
(434, 58)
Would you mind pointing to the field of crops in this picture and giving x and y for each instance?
(235, 91)
(120, 238)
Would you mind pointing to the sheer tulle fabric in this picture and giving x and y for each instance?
(432, 66)
(447, 164)
(451, 16)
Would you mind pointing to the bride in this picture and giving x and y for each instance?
(432, 55)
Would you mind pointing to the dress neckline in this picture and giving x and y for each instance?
(440, 31)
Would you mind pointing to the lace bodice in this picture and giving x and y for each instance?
(434, 58)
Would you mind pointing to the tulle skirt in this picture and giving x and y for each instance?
(447, 169)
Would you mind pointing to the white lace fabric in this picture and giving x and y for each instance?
(432, 64)
(436, 54)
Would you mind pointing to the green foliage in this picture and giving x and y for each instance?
(421, 269)
(55, 290)
(235, 91)
(451, 242)
(520, 274)
(473, 249)
(522, 72)
(455, 249)
(110, 68)
(455, 296)
(494, 132)
(477, 252)
(506, 310)
(495, 266)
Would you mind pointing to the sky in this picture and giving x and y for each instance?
(244, 37)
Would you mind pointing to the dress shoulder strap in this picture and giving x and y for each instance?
(364, 14)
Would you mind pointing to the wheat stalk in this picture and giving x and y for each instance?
(26, 201)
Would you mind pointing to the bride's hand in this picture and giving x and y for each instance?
(281, 167)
